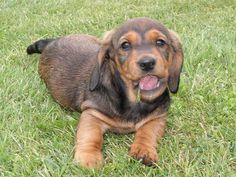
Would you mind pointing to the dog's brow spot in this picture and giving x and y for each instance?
(153, 35)
(131, 36)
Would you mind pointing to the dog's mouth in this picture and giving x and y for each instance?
(149, 87)
(148, 83)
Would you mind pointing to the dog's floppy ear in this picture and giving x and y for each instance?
(176, 62)
(105, 53)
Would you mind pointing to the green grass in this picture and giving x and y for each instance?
(37, 136)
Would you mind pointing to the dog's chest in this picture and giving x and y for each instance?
(135, 112)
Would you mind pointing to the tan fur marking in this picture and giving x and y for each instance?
(131, 37)
(145, 142)
(152, 35)
(89, 140)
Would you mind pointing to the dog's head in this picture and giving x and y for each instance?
(147, 55)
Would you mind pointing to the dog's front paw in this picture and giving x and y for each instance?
(89, 159)
(147, 155)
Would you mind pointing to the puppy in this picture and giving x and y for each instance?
(120, 84)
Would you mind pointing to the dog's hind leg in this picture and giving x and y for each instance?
(38, 46)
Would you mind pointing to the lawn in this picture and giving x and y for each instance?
(37, 135)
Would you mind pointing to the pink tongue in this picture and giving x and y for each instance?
(148, 83)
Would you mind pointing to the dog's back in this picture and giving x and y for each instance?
(66, 64)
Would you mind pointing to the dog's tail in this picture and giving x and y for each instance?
(38, 46)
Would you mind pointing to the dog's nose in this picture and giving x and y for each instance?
(147, 63)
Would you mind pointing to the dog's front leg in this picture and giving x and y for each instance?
(89, 140)
(145, 142)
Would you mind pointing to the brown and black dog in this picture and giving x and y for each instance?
(120, 84)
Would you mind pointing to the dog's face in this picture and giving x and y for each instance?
(147, 55)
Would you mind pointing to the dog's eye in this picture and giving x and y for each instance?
(125, 46)
(160, 42)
